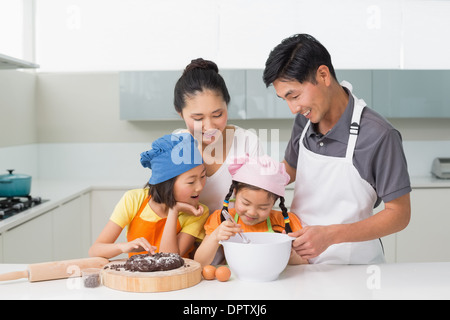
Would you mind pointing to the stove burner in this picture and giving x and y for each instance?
(12, 205)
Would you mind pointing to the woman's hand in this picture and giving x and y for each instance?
(226, 230)
(137, 245)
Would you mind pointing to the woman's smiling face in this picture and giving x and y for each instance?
(205, 115)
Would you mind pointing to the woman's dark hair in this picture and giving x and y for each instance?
(198, 76)
(163, 192)
(297, 58)
(236, 186)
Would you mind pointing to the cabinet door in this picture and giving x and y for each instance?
(30, 242)
(148, 95)
(235, 82)
(427, 237)
(67, 231)
(103, 203)
(85, 214)
(361, 81)
(411, 93)
(262, 102)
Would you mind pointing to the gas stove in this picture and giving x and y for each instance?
(13, 205)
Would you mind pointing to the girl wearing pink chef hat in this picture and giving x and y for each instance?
(257, 184)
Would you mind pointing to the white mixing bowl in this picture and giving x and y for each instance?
(263, 259)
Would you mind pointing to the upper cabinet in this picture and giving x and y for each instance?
(7, 62)
(412, 93)
(262, 102)
(361, 81)
(148, 95)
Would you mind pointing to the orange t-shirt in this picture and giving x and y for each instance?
(276, 219)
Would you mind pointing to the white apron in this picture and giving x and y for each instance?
(329, 190)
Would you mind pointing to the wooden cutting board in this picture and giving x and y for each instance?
(183, 277)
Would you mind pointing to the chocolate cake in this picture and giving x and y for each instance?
(160, 261)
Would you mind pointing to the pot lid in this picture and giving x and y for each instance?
(13, 176)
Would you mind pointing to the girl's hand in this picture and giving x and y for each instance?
(187, 208)
(137, 245)
(296, 259)
(226, 230)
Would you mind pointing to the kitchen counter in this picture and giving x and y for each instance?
(58, 192)
(366, 282)
(388, 281)
(429, 181)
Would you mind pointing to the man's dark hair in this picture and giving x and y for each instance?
(297, 58)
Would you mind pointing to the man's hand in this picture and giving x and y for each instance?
(311, 240)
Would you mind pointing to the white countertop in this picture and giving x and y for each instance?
(429, 181)
(365, 282)
(58, 192)
(396, 281)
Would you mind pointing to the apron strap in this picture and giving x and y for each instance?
(143, 204)
(354, 128)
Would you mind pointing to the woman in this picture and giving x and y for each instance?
(201, 98)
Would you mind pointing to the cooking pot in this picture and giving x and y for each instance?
(14, 185)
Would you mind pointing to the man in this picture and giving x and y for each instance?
(345, 159)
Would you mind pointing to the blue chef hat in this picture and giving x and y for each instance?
(170, 156)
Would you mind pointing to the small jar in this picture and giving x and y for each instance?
(91, 277)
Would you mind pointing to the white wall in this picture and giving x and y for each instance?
(111, 35)
(17, 108)
(72, 125)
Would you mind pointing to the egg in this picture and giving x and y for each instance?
(223, 273)
(209, 272)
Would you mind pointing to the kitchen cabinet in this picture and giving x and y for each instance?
(427, 237)
(71, 229)
(361, 81)
(103, 202)
(263, 102)
(7, 62)
(30, 241)
(58, 234)
(148, 95)
(411, 93)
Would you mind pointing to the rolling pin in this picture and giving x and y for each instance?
(55, 270)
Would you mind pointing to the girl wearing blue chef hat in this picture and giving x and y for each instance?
(164, 216)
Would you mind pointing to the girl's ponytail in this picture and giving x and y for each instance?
(227, 200)
(287, 226)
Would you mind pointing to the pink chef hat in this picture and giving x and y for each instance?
(262, 172)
